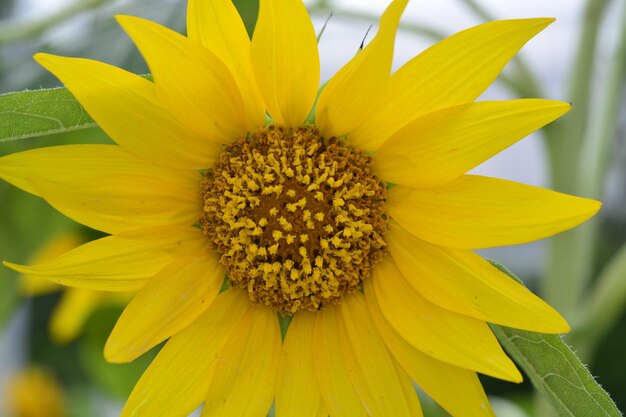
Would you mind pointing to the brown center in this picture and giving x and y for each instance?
(299, 220)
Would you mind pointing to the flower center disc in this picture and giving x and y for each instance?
(299, 220)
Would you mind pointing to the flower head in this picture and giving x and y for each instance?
(359, 226)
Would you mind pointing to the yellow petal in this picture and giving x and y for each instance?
(71, 313)
(370, 366)
(169, 302)
(456, 389)
(105, 188)
(441, 146)
(297, 392)
(442, 334)
(353, 94)
(127, 108)
(192, 83)
(408, 389)
(178, 379)
(475, 212)
(217, 25)
(338, 392)
(37, 285)
(286, 61)
(454, 71)
(463, 282)
(118, 263)
(244, 382)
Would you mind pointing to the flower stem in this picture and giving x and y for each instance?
(564, 147)
(603, 307)
(564, 143)
(597, 150)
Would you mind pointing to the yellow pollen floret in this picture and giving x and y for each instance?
(298, 220)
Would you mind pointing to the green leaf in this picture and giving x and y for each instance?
(556, 371)
(603, 306)
(40, 112)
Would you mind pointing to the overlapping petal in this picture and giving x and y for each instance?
(456, 389)
(475, 212)
(192, 82)
(286, 61)
(446, 336)
(353, 93)
(127, 108)
(408, 391)
(244, 380)
(438, 147)
(454, 71)
(369, 364)
(338, 392)
(169, 302)
(217, 25)
(177, 380)
(297, 391)
(119, 263)
(462, 281)
(105, 188)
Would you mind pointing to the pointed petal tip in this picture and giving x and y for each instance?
(507, 371)
(588, 207)
(596, 205)
(48, 61)
(516, 376)
(563, 326)
(544, 21)
(121, 349)
(547, 20)
(561, 105)
(539, 22)
(22, 269)
(401, 3)
(40, 56)
(114, 354)
(552, 322)
(125, 18)
(554, 325)
(127, 21)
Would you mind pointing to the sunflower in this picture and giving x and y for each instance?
(355, 220)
